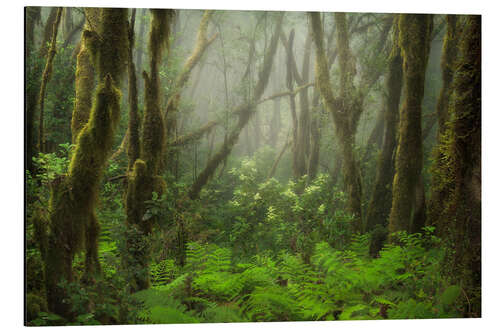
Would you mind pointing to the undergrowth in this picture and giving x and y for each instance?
(403, 282)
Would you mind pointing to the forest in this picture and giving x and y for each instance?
(209, 166)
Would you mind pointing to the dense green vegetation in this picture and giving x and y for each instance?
(177, 181)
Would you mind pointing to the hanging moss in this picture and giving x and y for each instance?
(113, 34)
(73, 197)
(143, 179)
(85, 72)
(408, 203)
(84, 85)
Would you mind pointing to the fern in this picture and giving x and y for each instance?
(159, 307)
(271, 304)
(220, 286)
(223, 314)
(163, 272)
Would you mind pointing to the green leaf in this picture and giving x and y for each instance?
(450, 294)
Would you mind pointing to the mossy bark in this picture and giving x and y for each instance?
(466, 145)
(85, 74)
(408, 203)
(460, 172)
(143, 178)
(448, 67)
(32, 17)
(132, 135)
(47, 73)
(381, 198)
(73, 197)
(345, 109)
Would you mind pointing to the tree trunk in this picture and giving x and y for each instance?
(459, 215)
(380, 202)
(33, 93)
(74, 196)
(32, 17)
(346, 109)
(133, 146)
(438, 193)
(85, 74)
(144, 178)
(303, 135)
(408, 203)
(47, 73)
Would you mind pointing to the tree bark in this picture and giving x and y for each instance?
(47, 73)
(408, 203)
(346, 109)
(381, 198)
(144, 178)
(73, 197)
(450, 49)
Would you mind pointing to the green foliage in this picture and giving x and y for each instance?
(52, 165)
(158, 307)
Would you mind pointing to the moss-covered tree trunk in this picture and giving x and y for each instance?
(381, 197)
(73, 197)
(133, 146)
(47, 73)
(85, 73)
(408, 203)
(459, 215)
(32, 17)
(34, 74)
(84, 89)
(144, 178)
(466, 149)
(345, 109)
(439, 190)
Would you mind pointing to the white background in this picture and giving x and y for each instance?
(11, 162)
